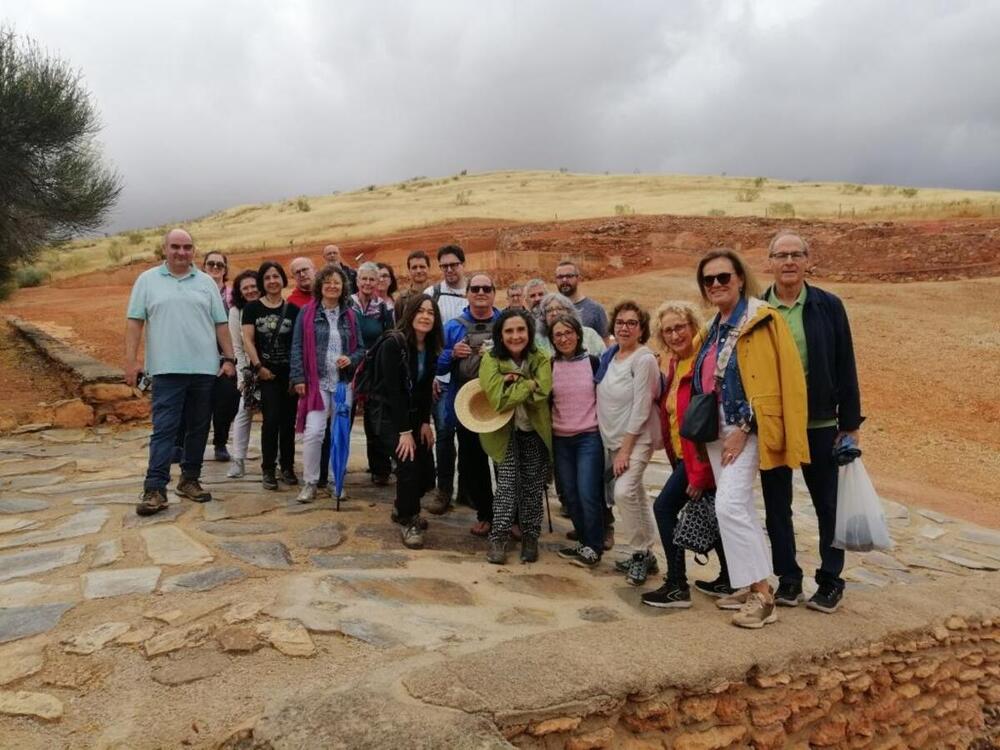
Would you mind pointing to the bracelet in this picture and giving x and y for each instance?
(230, 360)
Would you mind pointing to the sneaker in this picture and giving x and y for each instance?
(669, 596)
(289, 478)
(586, 558)
(380, 480)
(413, 534)
(394, 515)
(735, 600)
(192, 490)
(718, 588)
(308, 493)
(826, 599)
(439, 504)
(268, 480)
(757, 612)
(570, 553)
(609, 538)
(237, 469)
(529, 549)
(643, 563)
(222, 454)
(789, 594)
(151, 502)
(497, 554)
(622, 566)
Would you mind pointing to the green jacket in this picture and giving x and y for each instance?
(533, 392)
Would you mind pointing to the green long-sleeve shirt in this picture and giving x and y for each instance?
(531, 392)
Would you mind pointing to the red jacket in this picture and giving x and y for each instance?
(699, 472)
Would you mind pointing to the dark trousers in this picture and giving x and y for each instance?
(666, 508)
(821, 479)
(379, 460)
(474, 480)
(225, 404)
(277, 434)
(176, 398)
(579, 464)
(444, 442)
(414, 476)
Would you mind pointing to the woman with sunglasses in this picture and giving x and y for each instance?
(245, 291)
(225, 395)
(628, 384)
(749, 360)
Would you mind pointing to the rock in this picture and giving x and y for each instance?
(288, 636)
(33, 427)
(24, 593)
(76, 674)
(968, 562)
(373, 633)
(101, 584)
(195, 666)
(598, 614)
(139, 635)
(103, 392)
(882, 560)
(238, 639)
(168, 545)
(22, 564)
(19, 661)
(22, 505)
(956, 623)
(980, 536)
(8, 525)
(242, 612)
(933, 515)
(85, 522)
(551, 726)
(23, 703)
(867, 577)
(361, 561)
(270, 555)
(596, 740)
(172, 640)
(931, 532)
(324, 536)
(21, 467)
(546, 585)
(172, 513)
(20, 622)
(95, 639)
(402, 590)
(239, 528)
(710, 739)
(107, 552)
(203, 580)
(72, 412)
(173, 615)
(126, 409)
(524, 616)
(112, 498)
(242, 507)
(69, 435)
(893, 510)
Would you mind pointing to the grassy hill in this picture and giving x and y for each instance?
(522, 196)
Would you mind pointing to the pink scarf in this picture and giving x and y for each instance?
(313, 401)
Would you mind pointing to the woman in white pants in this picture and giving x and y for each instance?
(326, 349)
(628, 385)
(750, 361)
(244, 290)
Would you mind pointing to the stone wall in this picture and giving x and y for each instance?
(930, 689)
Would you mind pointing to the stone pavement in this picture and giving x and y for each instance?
(251, 580)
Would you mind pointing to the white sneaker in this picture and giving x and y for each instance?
(308, 493)
(736, 600)
(236, 469)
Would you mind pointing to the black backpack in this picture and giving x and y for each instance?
(367, 377)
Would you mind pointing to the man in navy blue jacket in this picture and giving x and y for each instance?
(822, 335)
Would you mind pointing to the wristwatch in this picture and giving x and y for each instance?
(746, 427)
(230, 360)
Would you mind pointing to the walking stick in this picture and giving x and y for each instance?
(548, 508)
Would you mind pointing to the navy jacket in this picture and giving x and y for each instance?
(832, 381)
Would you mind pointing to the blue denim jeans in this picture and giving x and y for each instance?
(177, 397)
(444, 442)
(579, 462)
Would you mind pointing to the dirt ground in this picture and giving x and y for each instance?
(924, 301)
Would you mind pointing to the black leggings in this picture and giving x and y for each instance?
(277, 434)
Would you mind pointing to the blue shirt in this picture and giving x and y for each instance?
(180, 314)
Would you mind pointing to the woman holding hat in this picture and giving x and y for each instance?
(516, 376)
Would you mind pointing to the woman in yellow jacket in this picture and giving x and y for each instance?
(761, 393)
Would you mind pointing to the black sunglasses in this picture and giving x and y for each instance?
(477, 289)
(709, 279)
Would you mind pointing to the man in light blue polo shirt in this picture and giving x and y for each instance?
(186, 327)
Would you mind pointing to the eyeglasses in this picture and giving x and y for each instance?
(301, 271)
(565, 276)
(449, 266)
(782, 257)
(676, 330)
(563, 335)
(709, 279)
(174, 246)
(555, 310)
(477, 289)
(626, 324)
(214, 264)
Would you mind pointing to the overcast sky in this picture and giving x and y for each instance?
(210, 104)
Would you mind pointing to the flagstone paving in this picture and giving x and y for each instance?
(253, 580)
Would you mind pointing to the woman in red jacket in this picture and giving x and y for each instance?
(675, 328)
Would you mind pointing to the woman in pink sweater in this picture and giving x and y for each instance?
(576, 440)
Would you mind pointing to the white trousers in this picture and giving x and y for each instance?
(312, 439)
(739, 525)
(241, 431)
(634, 507)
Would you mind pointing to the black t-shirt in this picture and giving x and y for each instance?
(274, 344)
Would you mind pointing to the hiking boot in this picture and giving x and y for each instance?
(237, 469)
(413, 534)
(529, 549)
(757, 611)
(308, 493)
(789, 594)
(718, 588)
(151, 502)
(643, 563)
(735, 600)
(192, 490)
(669, 596)
(826, 599)
(380, 480)
(609, 538)
(439, 504)
(497, 554)
(394, 515)
(586, 558)
(268, 481)
(289, 478)
(222, 454)
(570, 553)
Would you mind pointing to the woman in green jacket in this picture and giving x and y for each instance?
(516, 375)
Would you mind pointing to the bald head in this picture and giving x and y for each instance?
(303, 271)
(331, 254)
(178, 250)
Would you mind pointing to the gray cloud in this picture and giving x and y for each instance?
(210, 104)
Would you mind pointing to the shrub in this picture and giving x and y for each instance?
(370, 188)
(758, 182)
(135, 238)
(889, 189)
(115, 252)
(716, 212)
(463, 198)
(781, 210)
(624, 209)
(464, 172)
(747, 195)
(30, 276)
(909, 192)
(850, 188)
(303, 204)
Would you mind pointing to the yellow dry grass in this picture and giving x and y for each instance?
(522, 196)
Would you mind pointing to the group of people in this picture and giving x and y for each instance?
(766, 385)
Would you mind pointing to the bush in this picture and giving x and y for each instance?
(30, 276)
(303, 205)
(758, 182)
(370, 188)
(889, 189)
(624, 209)
(747, 195)
(716, 212)
(463, 198)
(909, 192)
(850, 188)
(115, 252)
(781, 210)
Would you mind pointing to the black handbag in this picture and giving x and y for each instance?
(701, 420)
(697, 528)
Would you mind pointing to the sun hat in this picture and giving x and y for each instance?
(475, 412)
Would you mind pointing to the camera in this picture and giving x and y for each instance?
(143, 382)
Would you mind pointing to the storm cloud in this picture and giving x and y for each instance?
(206, 105)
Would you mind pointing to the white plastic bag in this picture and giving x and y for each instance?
(861, 525)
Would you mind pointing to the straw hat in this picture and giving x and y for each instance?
(475, 412)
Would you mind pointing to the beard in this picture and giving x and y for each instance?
(567, 289)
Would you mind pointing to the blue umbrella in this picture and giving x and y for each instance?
(340, 438)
